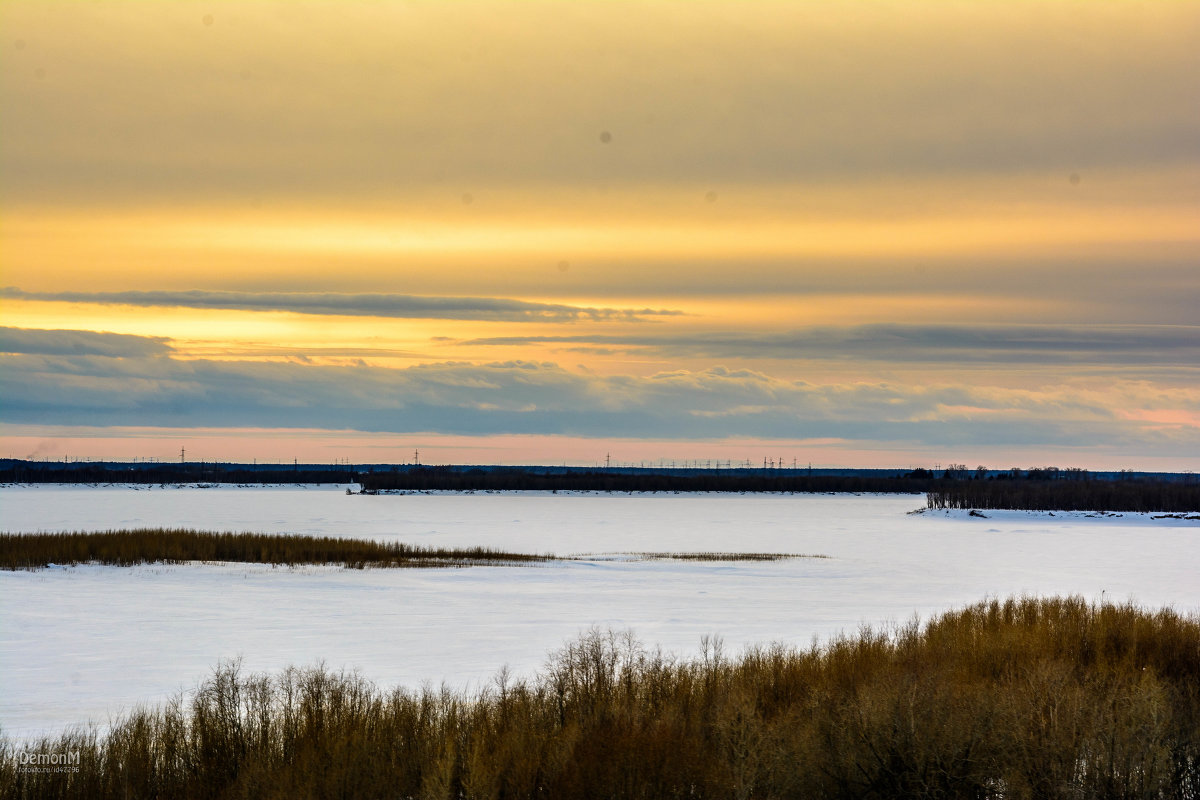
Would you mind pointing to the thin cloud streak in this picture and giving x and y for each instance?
(401, 306)
(1029, 344)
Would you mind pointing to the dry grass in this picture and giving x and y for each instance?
(1027, 698)
(722, 556)
(145, 546)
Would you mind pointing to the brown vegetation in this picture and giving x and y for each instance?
(145, 546)
(1028, 698)
(723, 556)
(127, 548)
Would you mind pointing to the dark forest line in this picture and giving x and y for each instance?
(1032, 495)
(165, 473)
(1042, 489)
(1045, 488)
(442, 479)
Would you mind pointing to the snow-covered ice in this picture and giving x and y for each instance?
(84, 643)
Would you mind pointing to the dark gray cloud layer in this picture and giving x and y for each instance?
(79, 343)
(542, 398)
(1140, 344)
(359, 305)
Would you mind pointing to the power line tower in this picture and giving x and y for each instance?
(182, 454)
(416, 458)
(608, 460)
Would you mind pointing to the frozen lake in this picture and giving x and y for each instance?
(84, 643)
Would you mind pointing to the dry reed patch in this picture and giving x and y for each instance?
(1020, 698)
(665, 556)
(172, 546)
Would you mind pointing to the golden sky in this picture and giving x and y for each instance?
(872, 233)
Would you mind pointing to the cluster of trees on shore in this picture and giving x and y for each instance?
(1005, 700)
(1067, 495)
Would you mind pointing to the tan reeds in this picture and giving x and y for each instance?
(1023, 698)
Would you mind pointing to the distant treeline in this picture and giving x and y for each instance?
(446, 479)
(1015, 700)
(1067, 495)
(956, 486)
(100, 472)
(1036, 489)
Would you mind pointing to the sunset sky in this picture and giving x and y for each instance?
(852, 234)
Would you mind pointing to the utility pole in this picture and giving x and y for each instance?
(607, 460)
(416, 458)
(182, 454)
